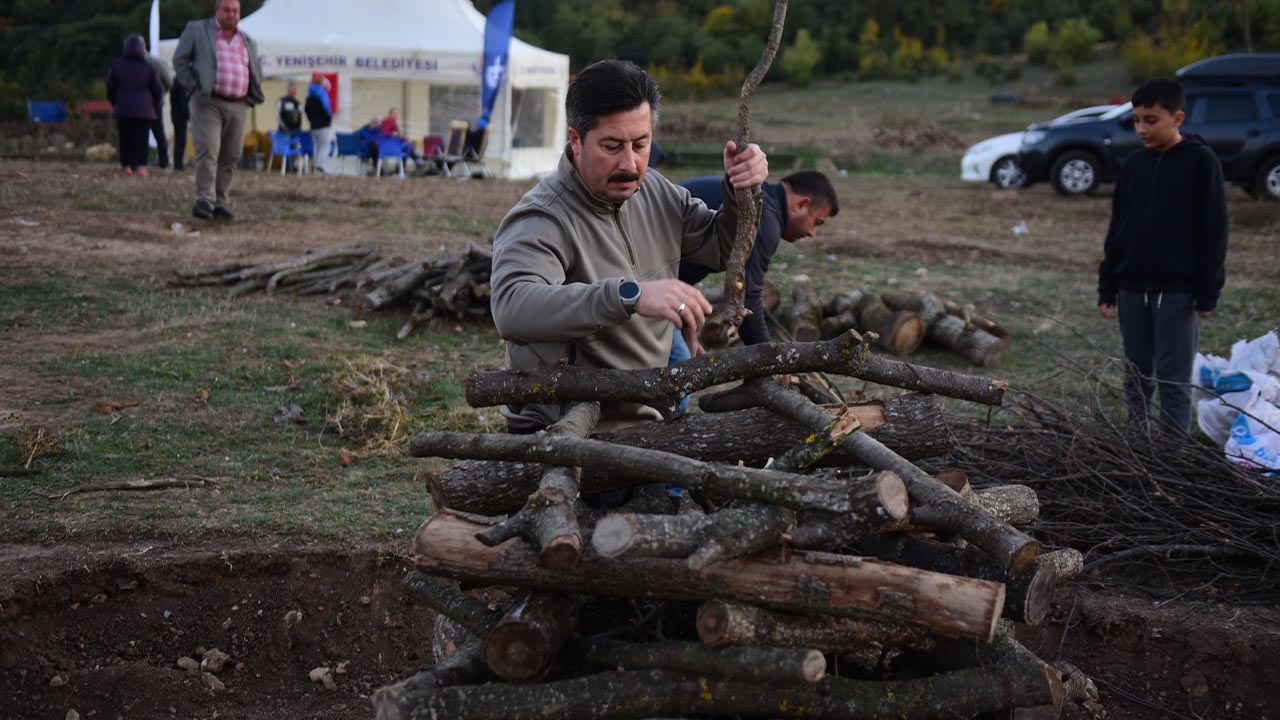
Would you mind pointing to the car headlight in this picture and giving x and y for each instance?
(1031, 137)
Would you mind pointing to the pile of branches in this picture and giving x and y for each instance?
(1166, 511)
(865, 589)
(451, 285)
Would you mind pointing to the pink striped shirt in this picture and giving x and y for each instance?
(233, 67)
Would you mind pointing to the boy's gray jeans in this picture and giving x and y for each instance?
(1161, 331)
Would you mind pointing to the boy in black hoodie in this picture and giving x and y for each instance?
(1163, 264)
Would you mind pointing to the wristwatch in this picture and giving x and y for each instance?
(629, 293)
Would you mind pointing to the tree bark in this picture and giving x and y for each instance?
(723, 623)
(958, 695)
(530, 635)
(968, 341)
(1017, 505)
(466, 665)
(927, 305)
(548, 519)
(1027, 595)
(818, 445)
(388, 291)
(806, 313)
(940, 506)
(767, 665)
(701, 539)
(815, 583)
(439, 595)
(662, 388)
(748, 199)
(900, 332)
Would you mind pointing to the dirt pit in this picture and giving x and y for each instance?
(106, 631)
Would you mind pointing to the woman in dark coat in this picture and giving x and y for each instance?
(134, 89)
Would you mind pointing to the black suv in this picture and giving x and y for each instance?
(1233, 102)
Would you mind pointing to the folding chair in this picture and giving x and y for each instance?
(473, 153)
(433, 154)
(286, 146)
(454, 147)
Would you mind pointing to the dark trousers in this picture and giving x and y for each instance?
(1161, 332)
(162, 144)
(133, 141)
(179, 142)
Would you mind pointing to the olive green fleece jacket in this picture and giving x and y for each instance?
(558, 259)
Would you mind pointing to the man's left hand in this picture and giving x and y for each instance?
(746, 169)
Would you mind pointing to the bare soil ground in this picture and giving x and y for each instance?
(99, 627)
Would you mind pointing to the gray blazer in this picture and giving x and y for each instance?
(196, 60)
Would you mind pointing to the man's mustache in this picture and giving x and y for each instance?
(624, 177)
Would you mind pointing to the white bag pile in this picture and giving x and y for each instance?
(1238, 401)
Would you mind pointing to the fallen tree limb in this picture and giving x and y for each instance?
(662, 388)
(940, 506)
(181, 482)
(815, 583)
(702, 539)
(530, 635)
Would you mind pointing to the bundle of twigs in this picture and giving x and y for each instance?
(451, 285)
(1169, 510)
(312, 273)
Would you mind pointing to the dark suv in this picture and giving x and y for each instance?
(1233, 102)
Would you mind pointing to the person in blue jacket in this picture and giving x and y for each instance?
(1164, 258)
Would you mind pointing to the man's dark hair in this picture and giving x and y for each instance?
(815, 186)
(607, 87)
(1163, 92)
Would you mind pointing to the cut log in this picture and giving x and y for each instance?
(806, 312)
(968, 341)
(439, 595)
(966, 313)
(663, 388)
(1017, 505)
(842, 303)
(927, 305)
(818, 445)
(958, 695)
(814, 583)
(723, 623)
(767, 665)
(530, 635)
(940, 506)
(466, 665)
(900, 332)
(1027, 595)
(1068, 562)
(702, 539)
(626, 467)
(391, 289)
(909, 424)
(548, 519)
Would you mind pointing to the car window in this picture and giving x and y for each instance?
(1273, 99)
(1230, 108)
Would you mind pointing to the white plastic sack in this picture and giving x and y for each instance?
(1252, 442)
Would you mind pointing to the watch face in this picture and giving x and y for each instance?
(629, 290)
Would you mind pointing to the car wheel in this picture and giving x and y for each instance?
(1076, 173)
(1007, 174)
(1267, 184)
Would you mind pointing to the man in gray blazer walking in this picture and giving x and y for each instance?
(220, 66)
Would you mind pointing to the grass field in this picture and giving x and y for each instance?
(111, 375)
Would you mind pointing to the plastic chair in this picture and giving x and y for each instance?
(285, 146)
(47, 112)
(347, 145)
(391, 149)
(433, 154)
(308, 146)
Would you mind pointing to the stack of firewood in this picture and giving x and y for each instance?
(451, 285)
(807, 566)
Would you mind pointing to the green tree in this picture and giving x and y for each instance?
(1035, 43)
(801, 58)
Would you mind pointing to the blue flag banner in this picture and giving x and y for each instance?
(497, 41)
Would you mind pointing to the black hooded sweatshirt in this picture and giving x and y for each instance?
(1168, 229)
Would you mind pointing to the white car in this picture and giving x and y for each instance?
(996, 159)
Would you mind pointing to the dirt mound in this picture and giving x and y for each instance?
(102, 631)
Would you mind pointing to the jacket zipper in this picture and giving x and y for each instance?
(626, 242)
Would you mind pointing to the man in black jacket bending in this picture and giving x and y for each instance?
(1164, 257)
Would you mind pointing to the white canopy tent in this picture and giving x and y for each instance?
(421, 56)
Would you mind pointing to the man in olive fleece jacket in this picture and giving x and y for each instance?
(585, 265)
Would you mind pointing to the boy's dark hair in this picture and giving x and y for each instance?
(815, 186)
(1162, 92)
(607, 87)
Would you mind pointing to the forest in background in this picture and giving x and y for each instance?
(60, 49)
